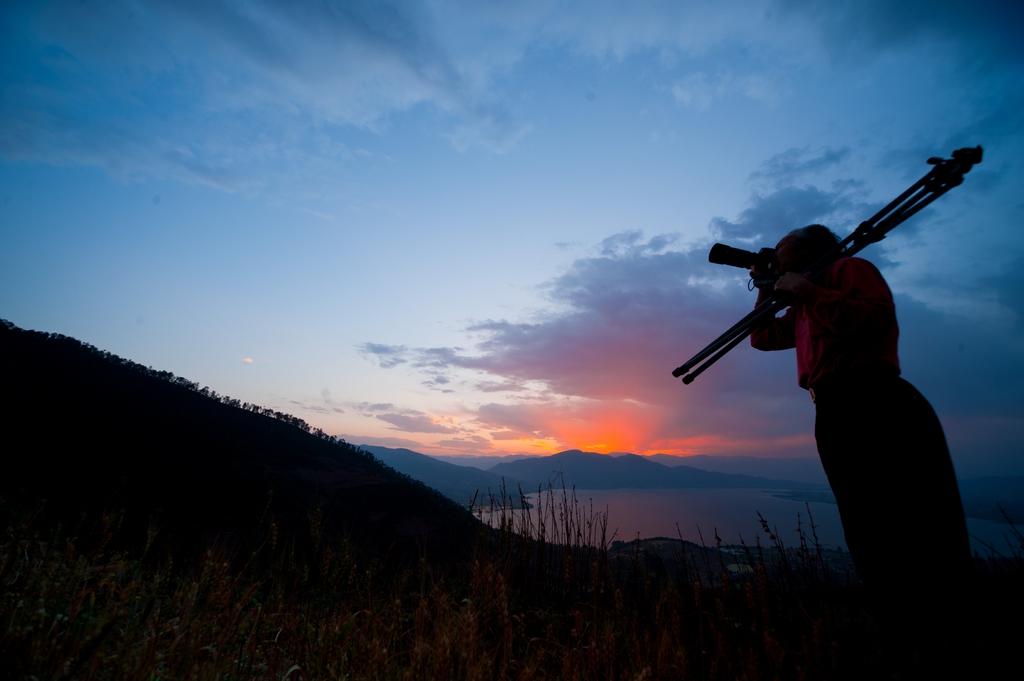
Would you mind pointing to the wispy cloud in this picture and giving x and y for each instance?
(416, 422)
(699, 90)
(377, 441)
(596, 373)
(377, 406)
(785, 168)
(386, 356)
(246, 95)
(468, 444)
(224, 93)
(772, 215)
(632, 314)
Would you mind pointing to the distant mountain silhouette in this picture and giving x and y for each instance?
(459, 483)
(483, 462)
(799, 469)
(586, 470)
(91, 432)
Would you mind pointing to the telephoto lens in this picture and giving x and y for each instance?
(736, 257)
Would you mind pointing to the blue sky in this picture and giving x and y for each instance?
(482, 227)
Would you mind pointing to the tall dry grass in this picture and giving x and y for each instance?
(543, 596)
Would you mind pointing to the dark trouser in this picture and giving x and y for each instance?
(886, 458)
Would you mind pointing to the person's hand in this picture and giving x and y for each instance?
(762, 291)
(797, 285)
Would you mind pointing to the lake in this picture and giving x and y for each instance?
(733, 513)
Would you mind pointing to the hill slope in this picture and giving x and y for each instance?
(458, 483)
(92, 432)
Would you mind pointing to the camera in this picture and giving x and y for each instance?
(763, 261)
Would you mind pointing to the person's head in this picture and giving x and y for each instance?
(800, 248)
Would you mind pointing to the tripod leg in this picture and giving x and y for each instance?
(770, 306)
(689, 378)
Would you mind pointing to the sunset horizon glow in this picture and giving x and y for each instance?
(482, 229)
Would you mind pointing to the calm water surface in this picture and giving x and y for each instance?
(733, 514)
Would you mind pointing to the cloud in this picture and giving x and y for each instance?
(247, 360)
(227, 93)
(784, 168)
(632, 243)
(438, 382)
(698, 90)
(996, 121)
(595, 370)
(470, 444)
(386, 356)
(376, 441)
(609, 30)
(603, 366)
(378, 406)
(416, 422)
(980, 32)
(514, 421)
(463, 444)
(251, 96)
(511, 435)
(497, 131)
(770, 216)
(695, 91)
(508, 386)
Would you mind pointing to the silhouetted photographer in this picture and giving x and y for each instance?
(879, 440)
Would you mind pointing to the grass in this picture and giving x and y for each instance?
(543, 596)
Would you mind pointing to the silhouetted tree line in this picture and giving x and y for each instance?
(183, 382)
(100, 432)
(180, 381)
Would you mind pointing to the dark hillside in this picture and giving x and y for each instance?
(91, 432)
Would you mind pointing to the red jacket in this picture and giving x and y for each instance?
(851, 324)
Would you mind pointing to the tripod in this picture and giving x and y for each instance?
(946, 174)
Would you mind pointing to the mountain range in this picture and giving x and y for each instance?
(587, 470)
(574, 468)
(985, 498)
(459, 483)
(800, 469)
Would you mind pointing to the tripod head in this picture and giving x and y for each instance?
(966, 157)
